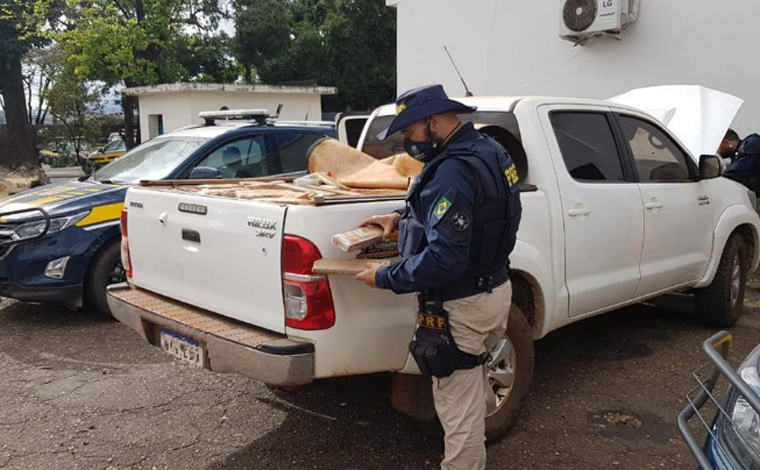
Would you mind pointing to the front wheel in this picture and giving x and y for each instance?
(510, 373)
(722, 303)
(105, 269)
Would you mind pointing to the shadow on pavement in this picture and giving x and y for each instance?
(345, 423)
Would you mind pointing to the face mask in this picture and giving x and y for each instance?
(423, 151)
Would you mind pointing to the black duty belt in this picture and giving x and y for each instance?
(466, 287)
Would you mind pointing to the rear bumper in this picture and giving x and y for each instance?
(230, 346)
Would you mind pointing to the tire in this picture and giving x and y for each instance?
(721, 304)
(500, 419)
(104, 270)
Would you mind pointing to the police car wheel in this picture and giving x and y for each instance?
(106, 269)
(510, 373)
(721, 304)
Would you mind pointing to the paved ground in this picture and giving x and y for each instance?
(81, 392)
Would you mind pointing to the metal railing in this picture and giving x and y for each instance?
(717, 348)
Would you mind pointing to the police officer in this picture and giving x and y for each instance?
(745, 159)
(456, 233)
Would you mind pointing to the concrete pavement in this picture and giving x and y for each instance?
(81, 392)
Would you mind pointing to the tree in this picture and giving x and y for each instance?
(350, 44)
(263, 34)
(133, 42)
(72, 104)
(16, 41)
(41, 68)
(207, 58)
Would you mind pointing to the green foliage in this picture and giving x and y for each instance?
(41, 68)
(18, 33)
(206, 58)
(72, 104)
(350, 44)
(143, 42)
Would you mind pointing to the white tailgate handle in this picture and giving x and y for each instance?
(578, 212)
(654, 205)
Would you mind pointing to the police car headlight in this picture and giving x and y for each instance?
(37, 227)
(742, 433)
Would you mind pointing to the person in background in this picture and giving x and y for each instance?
(745, 159)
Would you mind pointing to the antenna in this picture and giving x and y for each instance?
(468, 93)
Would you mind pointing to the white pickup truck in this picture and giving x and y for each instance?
(616, 211)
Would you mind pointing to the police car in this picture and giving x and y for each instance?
(60, 243)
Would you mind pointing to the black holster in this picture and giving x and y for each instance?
(434, 349)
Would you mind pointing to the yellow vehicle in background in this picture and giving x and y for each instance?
(106, 155)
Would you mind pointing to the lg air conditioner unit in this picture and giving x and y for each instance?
(581, 20)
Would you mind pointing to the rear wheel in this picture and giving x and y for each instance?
(510, 373)
(721, 304)
(105, 269)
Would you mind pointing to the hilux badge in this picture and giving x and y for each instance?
(264, 227)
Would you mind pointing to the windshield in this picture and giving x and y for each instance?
(154, 160)
(114, 146)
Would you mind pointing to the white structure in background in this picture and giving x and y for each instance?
(164, 108)
(513, 47)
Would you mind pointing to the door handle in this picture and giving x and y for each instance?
(578, 212)
(654, 205)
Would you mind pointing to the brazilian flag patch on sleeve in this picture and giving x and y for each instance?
(442, 207)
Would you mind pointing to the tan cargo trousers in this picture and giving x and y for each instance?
(477, 324)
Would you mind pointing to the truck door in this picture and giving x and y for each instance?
(601, 206)
(678, 225)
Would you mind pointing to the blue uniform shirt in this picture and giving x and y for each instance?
(435, 237)
(745, 166)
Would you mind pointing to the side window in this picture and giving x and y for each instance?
(658, 159)
(114, 146)
(293, 147)
(245, 158)
(588, 146)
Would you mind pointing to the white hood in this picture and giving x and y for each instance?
(698, 116)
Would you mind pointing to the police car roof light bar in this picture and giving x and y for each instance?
(258, 115)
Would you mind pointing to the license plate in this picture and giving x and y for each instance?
(183, 348)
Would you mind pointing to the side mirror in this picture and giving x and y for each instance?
(709, 167)
(100, 148)
(205, 173)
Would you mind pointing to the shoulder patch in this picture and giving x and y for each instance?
(460, 221)
(511, 174)
(442, 207)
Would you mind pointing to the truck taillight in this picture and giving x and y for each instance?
(307, 296)
(126, 259)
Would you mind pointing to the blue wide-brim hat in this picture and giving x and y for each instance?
(422, 103)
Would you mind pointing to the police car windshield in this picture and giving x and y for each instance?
(153, 160)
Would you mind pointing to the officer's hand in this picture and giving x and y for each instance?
(368, 275)
(388, 223)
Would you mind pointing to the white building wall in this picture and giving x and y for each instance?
(512, 47)
(296, 106)
(175, 108)
(181, 109)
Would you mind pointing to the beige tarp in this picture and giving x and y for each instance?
(355, 169)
